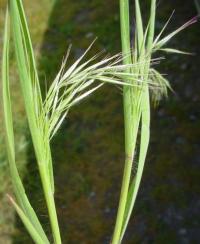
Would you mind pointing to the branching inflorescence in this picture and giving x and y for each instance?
(132, 69)
(46, 114)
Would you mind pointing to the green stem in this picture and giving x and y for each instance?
(49, 196)
(43, 153)
(48, 190)
(125, 38)
(28, 77)
(145, 128)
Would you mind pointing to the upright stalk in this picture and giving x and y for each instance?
(145, 110)
(49, 196)
(29, 80)
(136, 111)
(125, 38)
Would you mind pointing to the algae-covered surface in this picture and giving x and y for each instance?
(88, 149)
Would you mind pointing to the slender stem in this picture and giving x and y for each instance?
(48, 189)
(145, 129)
(123, 195)
(28, 77)
(125, 38)
(49, 196)
(43, 154)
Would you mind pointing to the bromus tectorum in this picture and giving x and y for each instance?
(137, 101)
(45, 114)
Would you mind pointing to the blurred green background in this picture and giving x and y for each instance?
(88, 150)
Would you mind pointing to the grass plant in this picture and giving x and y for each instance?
(45, 114)
(137, 101)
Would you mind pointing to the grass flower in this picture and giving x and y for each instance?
(133, 69)
(45, 114)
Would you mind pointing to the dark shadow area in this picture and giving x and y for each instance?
(88, 149)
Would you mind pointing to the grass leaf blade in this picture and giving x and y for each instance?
(29, 226)
(8, 121)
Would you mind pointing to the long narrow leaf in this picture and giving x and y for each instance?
(29, 226)
(17, 183)
(33, 105)
(139, 24)
(145, 124)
